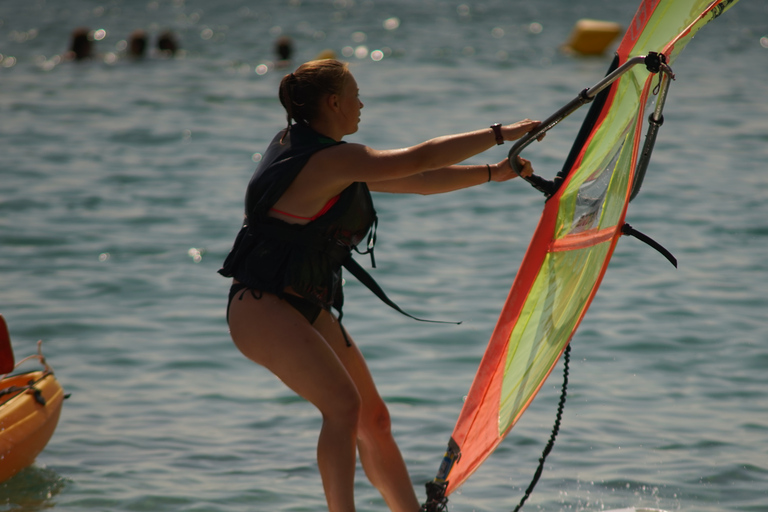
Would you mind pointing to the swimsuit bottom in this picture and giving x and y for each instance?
(307, 309)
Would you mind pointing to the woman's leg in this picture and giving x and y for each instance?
(380, 456)
(273, 334)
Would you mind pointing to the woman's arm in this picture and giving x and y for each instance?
(348, 163)
(427, 168)
(448, 179)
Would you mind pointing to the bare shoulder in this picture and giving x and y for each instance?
(340, 162)
(331, 169)
(343, 154)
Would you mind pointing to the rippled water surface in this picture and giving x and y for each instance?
(121, 188)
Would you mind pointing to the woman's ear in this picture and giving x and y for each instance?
(332, 100)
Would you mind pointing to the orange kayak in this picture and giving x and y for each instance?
(30, 405)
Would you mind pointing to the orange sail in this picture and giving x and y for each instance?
(582, 221)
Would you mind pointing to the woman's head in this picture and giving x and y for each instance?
(302, 91)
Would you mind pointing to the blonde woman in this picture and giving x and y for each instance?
(306, 208)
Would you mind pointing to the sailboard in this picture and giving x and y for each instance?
(582, 220)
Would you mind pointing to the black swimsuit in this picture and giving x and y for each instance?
(308, 310)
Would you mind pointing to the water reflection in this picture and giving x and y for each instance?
(31, 489)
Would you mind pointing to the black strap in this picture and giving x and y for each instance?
(365, 278)
(629, 230)
(555, 429)
(436, 500)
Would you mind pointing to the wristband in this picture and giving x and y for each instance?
(497, 132)
(489, 171)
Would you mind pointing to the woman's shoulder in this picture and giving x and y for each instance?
(345, 151)
(342, 156)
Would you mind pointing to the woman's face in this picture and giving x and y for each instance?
(350, 104)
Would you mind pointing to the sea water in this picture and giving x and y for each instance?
(121, 188)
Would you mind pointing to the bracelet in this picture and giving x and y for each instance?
(497, 132)
(489, 172)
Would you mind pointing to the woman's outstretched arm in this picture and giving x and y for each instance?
(454, 177)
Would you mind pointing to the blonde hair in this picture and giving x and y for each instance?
(302, 91)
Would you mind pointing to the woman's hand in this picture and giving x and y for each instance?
(516, 130)
(503, 171)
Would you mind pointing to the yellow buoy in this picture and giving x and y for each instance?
(592, 37)
(326, 54)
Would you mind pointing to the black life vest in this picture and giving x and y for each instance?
(271, 255)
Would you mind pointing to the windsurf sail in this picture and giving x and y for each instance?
(583, 218)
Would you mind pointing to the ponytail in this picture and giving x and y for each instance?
(285, 93)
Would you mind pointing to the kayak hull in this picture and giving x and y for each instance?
(29, 412)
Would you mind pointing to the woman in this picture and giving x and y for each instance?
(307, 206)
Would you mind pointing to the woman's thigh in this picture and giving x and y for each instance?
(272, 333)
(373, 407)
